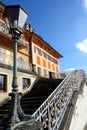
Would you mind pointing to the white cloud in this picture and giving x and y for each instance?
(85, 5)
(69, 70)
(82, 46)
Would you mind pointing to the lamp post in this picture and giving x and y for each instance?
(17, 17)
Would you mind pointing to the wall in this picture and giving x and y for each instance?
(79, 119)
(9, 73)
(44, 63)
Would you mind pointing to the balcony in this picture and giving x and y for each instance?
(4, 29)
(22, 65)
(5, 38)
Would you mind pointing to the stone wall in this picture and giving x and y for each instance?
(9, 73)
(79, 119)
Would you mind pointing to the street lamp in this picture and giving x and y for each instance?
(17, 17)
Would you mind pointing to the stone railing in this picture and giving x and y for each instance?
(5, 30)
(52, 111)
(6, 59)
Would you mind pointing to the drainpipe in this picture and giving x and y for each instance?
(32, 68)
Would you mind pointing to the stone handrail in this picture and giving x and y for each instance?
(6, 59)
(52, 111)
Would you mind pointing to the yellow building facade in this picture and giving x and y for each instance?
(35, 57)
(42, 55)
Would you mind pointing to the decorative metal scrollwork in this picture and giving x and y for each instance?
(52, 111)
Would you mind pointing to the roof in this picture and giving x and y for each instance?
(59, 55)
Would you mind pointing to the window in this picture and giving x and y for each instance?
(45, 73)
(26, 83)
(21, 62)
(35, 49)
(3, 82)
(38, 51)
(44, 54)
(1, 55)
(7, 59)
(56, 62)
(49, 58)
(39, 71)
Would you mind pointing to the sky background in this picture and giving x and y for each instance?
(63, 24)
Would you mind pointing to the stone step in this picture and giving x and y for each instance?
(31, 101)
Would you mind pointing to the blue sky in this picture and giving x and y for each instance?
(63, 24)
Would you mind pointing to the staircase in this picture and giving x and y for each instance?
(40, 91)
(31, 101)
(51, 113)
(49, 99)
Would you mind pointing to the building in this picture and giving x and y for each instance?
(35, 57)
(47, 97)
(42, 55)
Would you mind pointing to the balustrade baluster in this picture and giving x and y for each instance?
(56, 104)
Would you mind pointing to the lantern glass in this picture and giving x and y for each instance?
(17, 16)
(22, 18)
